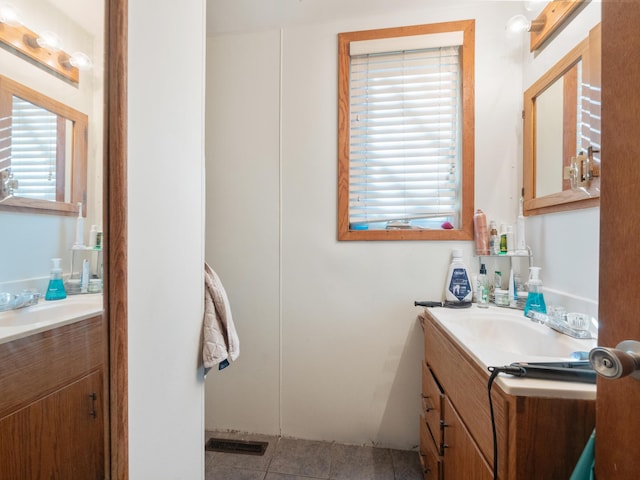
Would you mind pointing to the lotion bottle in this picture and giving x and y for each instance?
(458, 287)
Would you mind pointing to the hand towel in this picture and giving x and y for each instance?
(220, 339)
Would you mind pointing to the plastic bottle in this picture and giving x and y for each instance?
(494, 239)
(458, 287)
(511, 244)
(55, 290)
(84, 283)
(521, 243)
(503, 239)
(79, 228)
(535, 299)
(483, 288)
(481, 233)
(513, 292)
(93, 233)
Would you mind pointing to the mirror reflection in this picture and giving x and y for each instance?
(561, 135)
(44, 150)
(557, 122)
(52, 168)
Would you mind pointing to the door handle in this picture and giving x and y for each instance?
(613, 363)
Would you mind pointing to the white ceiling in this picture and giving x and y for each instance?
(249, 15)
(88, 14)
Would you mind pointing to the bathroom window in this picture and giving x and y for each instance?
(406, 133)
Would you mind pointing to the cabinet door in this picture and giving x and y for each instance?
(60, 436)
(462, 459)
(432, 400)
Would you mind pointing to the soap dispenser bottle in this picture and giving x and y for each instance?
(535, 299)
(55, 290)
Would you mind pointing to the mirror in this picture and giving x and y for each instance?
(561, 136)
(44, 151)
(39, 227)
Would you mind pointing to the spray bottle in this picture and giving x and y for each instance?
(483, 288)
(55, 290)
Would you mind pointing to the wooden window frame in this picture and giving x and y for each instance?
(465, 230)
(79, 154)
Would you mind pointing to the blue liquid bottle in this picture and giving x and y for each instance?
(535, 300)
(55, 290)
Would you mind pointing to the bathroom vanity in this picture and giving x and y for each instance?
(53, 401)
(542, 426)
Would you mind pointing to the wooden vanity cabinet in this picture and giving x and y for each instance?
(537, 437)
(53, 401)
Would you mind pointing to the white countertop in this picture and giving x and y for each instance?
(15, 324)
(497, 336)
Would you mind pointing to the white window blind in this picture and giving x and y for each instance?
(405, 135)
(589, 117)
(34, 137)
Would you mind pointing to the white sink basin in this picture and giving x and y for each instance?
(498, 336)
(48, 314)
(511, 331)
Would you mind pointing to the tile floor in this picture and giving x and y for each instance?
(293, 459)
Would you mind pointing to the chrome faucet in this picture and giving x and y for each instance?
(26, 298)
(559, 325)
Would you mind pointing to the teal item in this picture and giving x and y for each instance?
(586, 462)
(56, 290)
(535, 302)
(535, 299)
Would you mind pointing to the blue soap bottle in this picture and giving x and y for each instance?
(535, 299)
(55, 290)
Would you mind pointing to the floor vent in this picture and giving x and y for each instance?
(236, 446)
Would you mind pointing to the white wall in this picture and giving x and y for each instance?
(166, 238)
(330, 348)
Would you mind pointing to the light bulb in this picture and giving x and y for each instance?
(9, 15)
(49, 40)
(534, 5)
(81, 61)
(518, 23)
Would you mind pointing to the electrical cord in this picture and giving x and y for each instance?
(511, 370)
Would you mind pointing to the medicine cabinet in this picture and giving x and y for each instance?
(561, 137)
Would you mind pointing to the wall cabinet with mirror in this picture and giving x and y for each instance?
(562, 133)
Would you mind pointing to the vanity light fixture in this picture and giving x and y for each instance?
(44, 49)
(552, 17)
